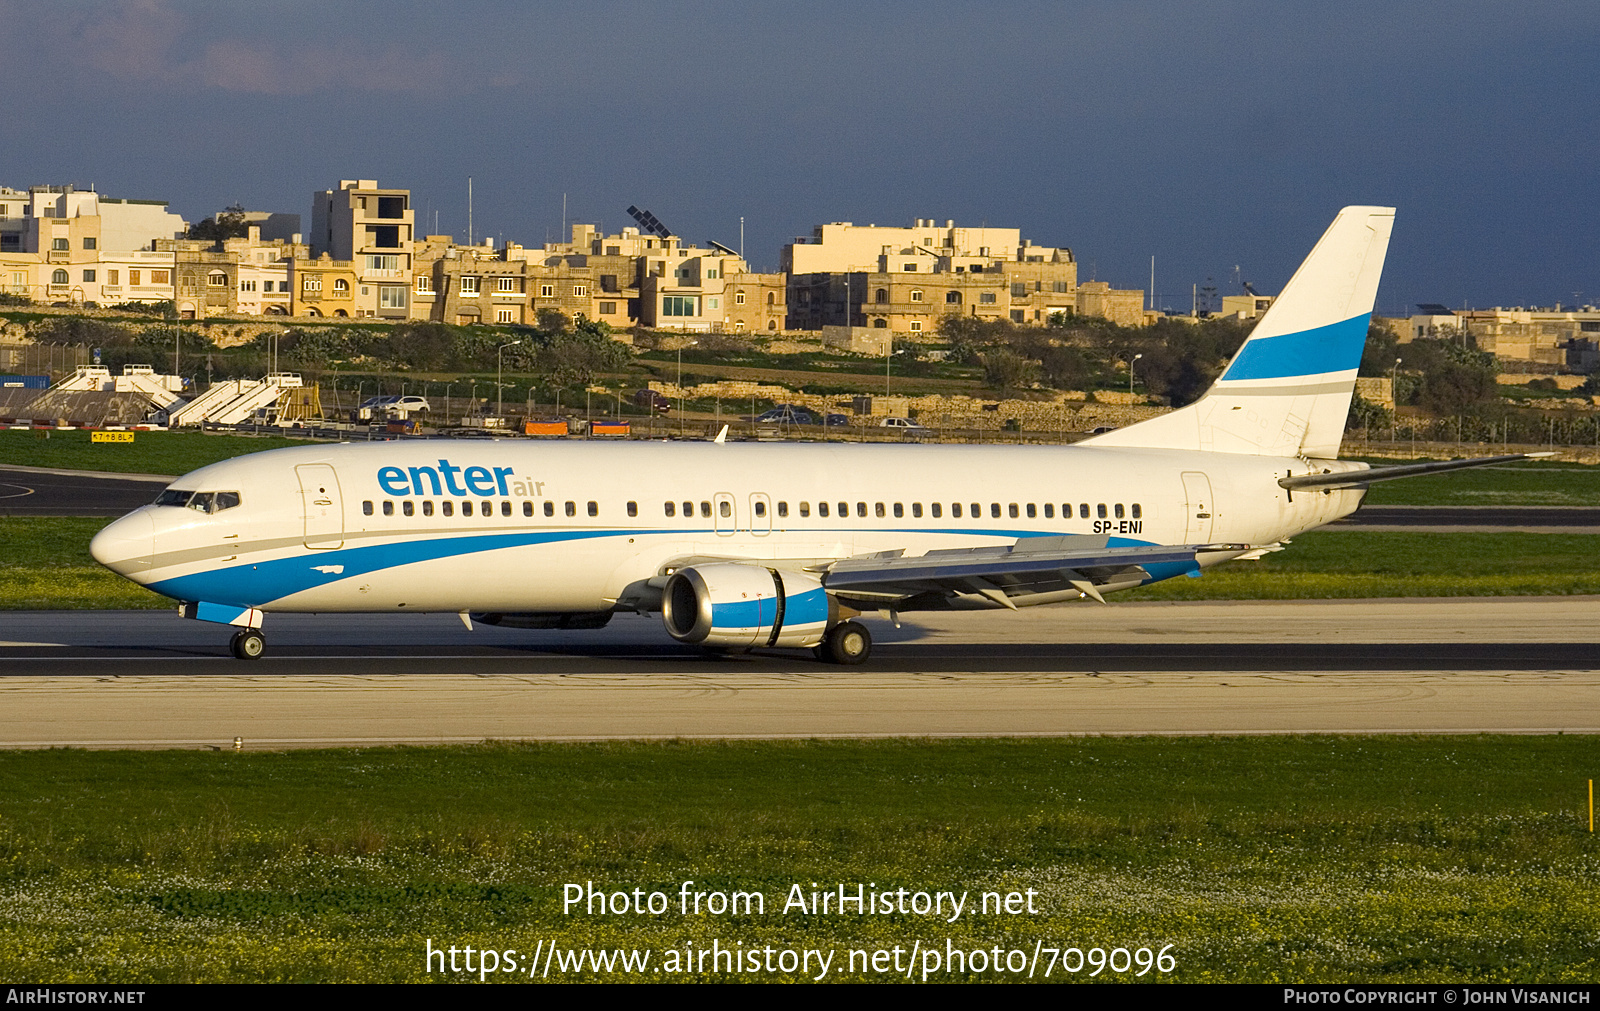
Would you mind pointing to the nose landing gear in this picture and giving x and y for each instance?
(248, 644)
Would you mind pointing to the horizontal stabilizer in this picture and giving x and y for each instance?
(1362, 478)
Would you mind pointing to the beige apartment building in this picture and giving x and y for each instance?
(906, 279)
(374, 230)
(322, 286)
(86, 244)
(467, 285)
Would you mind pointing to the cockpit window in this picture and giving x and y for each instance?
(200, 501)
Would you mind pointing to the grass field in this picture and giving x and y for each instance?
(1315, 859)
(1536, 483)
(149, 453)
(45, 565)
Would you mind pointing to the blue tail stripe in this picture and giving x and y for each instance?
(1321, 350)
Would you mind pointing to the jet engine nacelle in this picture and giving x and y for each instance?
(743, 605)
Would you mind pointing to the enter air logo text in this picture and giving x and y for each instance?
(449, 479)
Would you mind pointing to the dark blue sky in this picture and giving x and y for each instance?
(1208, 135)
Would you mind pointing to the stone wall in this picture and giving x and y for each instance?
(1066, 413)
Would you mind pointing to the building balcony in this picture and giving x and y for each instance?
(382, 275)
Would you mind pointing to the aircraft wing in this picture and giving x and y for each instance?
(1030, 567)
(1362, 478)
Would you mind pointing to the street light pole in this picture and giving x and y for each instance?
(1394, 398)
(1130, 375)
(680, 382)
(499, 388)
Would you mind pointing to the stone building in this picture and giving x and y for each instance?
(374, 230)
(906, 279)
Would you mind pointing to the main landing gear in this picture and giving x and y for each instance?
(848, 643)
(248, 644)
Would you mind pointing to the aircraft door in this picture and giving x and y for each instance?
(1198, 508)
(322, 504)
(760, 513)
(723, 516)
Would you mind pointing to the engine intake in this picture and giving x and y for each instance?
(735, 604)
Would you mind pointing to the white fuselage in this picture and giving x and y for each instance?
(572, 526)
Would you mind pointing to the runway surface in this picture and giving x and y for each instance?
(151, 679)
(36, 491)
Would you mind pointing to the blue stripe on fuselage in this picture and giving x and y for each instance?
(259, 583)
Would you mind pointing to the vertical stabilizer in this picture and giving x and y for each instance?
(1287, 392)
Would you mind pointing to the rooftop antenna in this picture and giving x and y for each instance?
(741, 236)
(563, 217)
(469, 210)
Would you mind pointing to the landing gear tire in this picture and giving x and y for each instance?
(847, 643)
(248, 645)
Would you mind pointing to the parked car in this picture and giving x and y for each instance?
(653, 400)
(787, 414)
(903, 424)
(836, 419)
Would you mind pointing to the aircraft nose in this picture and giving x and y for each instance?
(125, 546)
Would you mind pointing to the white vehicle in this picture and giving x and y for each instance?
(785, 545)
(904, 424)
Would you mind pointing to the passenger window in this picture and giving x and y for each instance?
(1049, 511)
(672, 509)
(1083, 510)
(1032, 512)
(705, 510)
(899, 510)
(594, 509)
(761, 508)
(805, 508)
(1119, 510)
(936, 510)
(633, 508)
(1137, 512)
(844, 509)
(955, 509)
(447, 507)
(1100, 510)
(527, 508)
(977, 510)
(916, 510)
(572, 508)
(994, 509)
(388, 508)
(822, 509)
(488, 508)
(724, 509)
(366, 508)
(505, 507)
(549, 508)
(427, 507)
(688, 509)
(783, 509)
(1011, 511)
(466, 508)
(407, 508)
(878, 511)
(861, 509)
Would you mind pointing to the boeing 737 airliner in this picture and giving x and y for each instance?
(762, 545)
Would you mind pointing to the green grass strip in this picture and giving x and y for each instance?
(45, 565)
(1384, 859)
